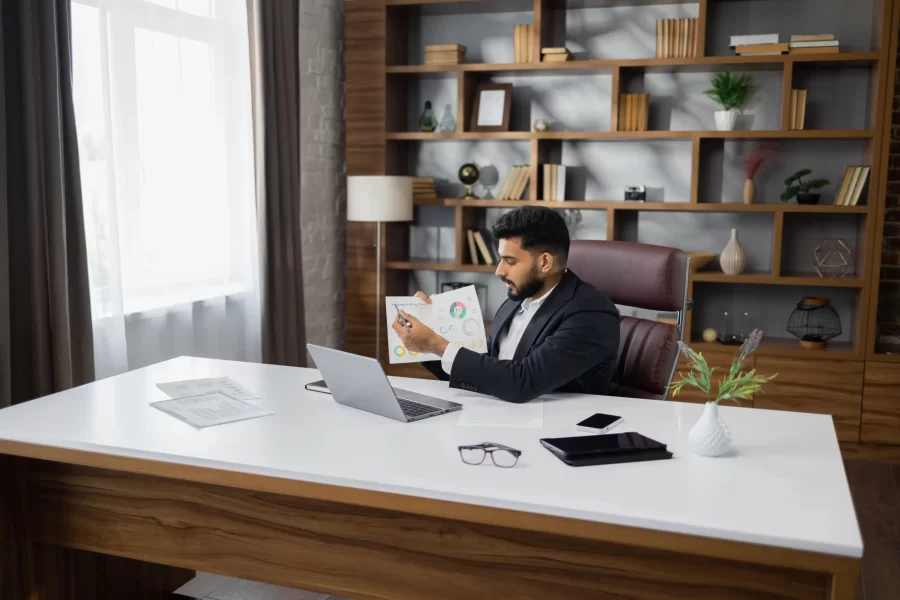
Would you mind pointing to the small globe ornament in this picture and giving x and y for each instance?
(468, 175)
(832, 258)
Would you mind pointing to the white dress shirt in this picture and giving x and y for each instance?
(509, 340)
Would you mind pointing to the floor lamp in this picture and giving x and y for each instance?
(379, 199)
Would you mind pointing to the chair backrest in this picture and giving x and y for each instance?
(640, 276)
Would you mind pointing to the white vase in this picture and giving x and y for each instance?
(710, 436)
(733, 259)
(726, 119)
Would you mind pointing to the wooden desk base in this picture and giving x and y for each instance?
(360, 552)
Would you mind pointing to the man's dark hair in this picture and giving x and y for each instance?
(541, 229)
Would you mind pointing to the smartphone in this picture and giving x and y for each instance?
(599, 423)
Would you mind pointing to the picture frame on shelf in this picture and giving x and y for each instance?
(490, 107)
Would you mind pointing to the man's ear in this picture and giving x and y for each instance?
(545, 263)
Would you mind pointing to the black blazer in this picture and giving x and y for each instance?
(571, 344)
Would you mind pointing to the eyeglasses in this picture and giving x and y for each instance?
(502, 456)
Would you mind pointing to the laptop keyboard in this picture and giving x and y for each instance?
(414, 409)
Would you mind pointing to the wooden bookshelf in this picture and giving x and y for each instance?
(379, 80)
(782, 134)
(812, 280)
(650, 206)
(775, 62)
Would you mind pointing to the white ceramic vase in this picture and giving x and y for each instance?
(710, 436)
(726, 119)
(733, 259)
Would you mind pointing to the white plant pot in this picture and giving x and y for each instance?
(726, 119)
(710, 436)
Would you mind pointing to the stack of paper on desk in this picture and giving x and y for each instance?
(206, 402)
(455, 315)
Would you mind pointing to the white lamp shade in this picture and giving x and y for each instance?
(379, 198)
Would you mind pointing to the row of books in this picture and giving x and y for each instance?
(523, 43)
(445, 54)
(676, 38)
(516, 183)
(798, 109)
(634, 110)
(852, 186)
(554, 182)
(424, 189)
(482, 249)
(770, 44)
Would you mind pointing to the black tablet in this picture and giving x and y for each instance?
(606, 449)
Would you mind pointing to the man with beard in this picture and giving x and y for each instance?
(554, 333)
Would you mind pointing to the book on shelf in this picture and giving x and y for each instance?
(747, 40)
(445, 54)
(523, 43)
(473, 249)
(633, 112)
(830, 50)
(818, 37)
(516, 182)
(554, 183)
(676, 38)
(821, 44)
(555, 54)
(854, 181)
(486, 256)
(798, 110)
(829, 46)
(761, 48)
(424, 189)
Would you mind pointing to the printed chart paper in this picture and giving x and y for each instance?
(210, 409)
(455, 315)
(197, 387)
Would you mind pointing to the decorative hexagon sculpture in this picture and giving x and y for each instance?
(832, 258)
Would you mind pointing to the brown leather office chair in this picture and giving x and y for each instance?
(639, 276)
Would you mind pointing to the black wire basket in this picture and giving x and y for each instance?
(814, 322)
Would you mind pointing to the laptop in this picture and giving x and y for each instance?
(360, 382)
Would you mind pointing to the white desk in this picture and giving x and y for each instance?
(785, 488)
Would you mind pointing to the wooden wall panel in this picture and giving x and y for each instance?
(881, 404)
(365, 29)
(816, 386)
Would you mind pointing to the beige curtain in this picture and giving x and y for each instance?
(45, 312)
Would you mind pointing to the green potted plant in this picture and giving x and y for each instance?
(796, 186)
(710, 436)
(732, 92)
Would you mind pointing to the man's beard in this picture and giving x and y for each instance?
(527, 289)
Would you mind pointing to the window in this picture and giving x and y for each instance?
(162, 103)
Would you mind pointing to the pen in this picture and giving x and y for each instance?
(403, 321)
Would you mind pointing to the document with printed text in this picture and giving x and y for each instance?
(196, 387)
(210, 409)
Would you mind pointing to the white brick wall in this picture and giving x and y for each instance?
(323, 170)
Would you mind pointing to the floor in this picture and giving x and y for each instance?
(876, 495)
(215, 587)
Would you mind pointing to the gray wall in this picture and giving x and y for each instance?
(323, 171)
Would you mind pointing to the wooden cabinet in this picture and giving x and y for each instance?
(722, 362)
(816, 386)
(881, 404)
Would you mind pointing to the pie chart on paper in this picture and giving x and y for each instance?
(457, 310)
(470, 326)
